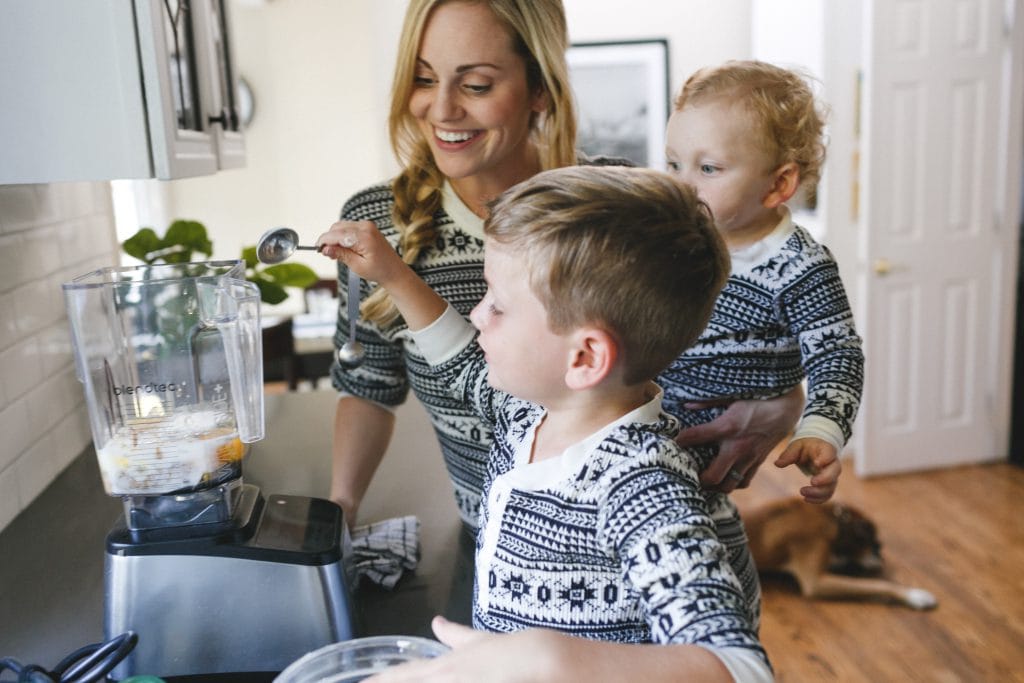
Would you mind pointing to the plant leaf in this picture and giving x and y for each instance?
(249, 256)
(291, 274)
(270, 292)
(189, 234)
(142, 243)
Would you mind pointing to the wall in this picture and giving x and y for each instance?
(48, 234)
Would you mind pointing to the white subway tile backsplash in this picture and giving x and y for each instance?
(40, 250)
(32, 306)
(8, 323)
(21, 368)
(14, 426)
(55, 298)
(49, 234)
(104, 241)
(83, 240)
(12, 266)
(55, 347)
(47, 403)
(20, 207)
(10, 501)
(76, 199)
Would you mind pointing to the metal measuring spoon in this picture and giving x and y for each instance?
(276, 245)
(351, 352)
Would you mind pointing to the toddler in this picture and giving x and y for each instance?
(747, 135)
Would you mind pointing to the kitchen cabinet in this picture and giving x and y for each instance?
(112, 89)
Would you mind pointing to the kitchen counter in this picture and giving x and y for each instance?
(51, 555)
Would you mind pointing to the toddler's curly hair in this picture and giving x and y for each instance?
(781, 105)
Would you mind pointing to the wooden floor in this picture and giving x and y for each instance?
(958, 533)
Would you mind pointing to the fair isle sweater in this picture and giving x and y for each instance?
(612, 540)
(453, 267)
(782, 315)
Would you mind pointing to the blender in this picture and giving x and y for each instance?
(212, 576)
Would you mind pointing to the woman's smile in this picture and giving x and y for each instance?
(454, 139)
(472, 103)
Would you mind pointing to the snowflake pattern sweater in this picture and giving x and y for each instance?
(782, 314)
(612, 540)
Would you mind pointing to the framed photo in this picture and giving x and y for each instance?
(622, 97)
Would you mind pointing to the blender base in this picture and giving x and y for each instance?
(252, 597)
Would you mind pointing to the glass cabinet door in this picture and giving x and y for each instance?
(181, 60)
(223, 86)
(170, 35)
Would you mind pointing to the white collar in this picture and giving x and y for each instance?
(745, 258)
(460, 213)
(525, 475)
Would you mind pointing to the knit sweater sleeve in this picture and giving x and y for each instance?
(449, 346)
(818, 312)
(655, 519)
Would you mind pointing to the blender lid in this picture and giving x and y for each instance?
(234, 268)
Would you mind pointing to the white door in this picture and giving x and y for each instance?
(941, 109)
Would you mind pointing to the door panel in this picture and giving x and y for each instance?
(932, 253)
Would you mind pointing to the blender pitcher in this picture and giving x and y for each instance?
(170, 357)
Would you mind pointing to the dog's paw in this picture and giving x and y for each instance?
(919, 598)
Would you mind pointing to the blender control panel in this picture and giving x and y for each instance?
(300, 524)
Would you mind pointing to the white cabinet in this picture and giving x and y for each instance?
(109, 89)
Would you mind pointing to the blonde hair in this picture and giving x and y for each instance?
(629, 249)
(540, 36)
(781, 105)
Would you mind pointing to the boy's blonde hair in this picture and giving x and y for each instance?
(540, 35)
(628, 249)
(781, 105)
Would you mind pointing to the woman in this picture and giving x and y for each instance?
(480, 102)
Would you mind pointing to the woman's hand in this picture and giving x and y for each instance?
(362, 247)
(746, 433)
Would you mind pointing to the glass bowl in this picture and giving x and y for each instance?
(354, 660)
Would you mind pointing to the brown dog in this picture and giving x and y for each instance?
(832, 550)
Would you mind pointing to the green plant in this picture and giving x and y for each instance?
(176, 246)
(184, 238)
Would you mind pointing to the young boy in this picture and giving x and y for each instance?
(593, 521)
(747, 135)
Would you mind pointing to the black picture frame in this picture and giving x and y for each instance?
(622, 98)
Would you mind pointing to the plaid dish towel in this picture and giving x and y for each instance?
(382, 551)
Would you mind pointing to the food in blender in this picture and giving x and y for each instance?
(157, 455)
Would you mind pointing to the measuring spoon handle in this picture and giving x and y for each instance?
(353, 304)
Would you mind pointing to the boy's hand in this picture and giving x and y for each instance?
(817, 459)
(362, 247)
(477, 656)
